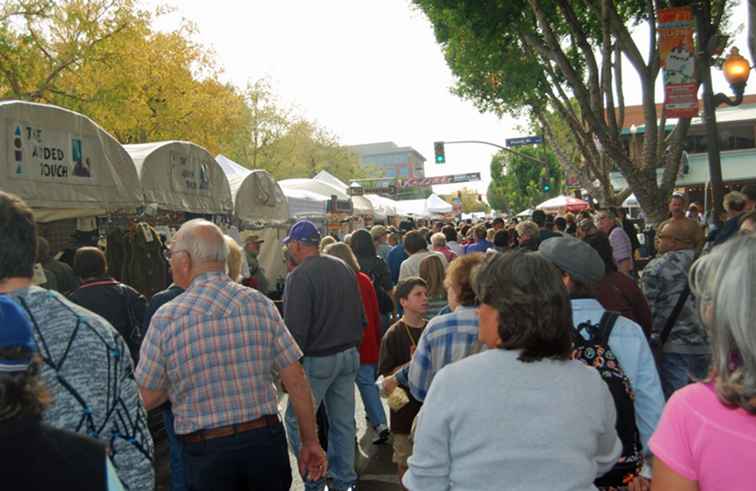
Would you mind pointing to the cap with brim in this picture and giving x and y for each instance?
(378, 231)
(575, 257)
(253, 238)
(303, 231)
(15, 332)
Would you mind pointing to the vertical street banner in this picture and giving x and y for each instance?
(677, 53)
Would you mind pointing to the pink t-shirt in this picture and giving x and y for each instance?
(703, 440)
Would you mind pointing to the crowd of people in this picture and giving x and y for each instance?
(536, 354)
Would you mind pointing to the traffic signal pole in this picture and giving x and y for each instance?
(524, 155)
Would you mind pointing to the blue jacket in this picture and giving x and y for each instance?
(396, 257)
(631, 348)
(480, 246)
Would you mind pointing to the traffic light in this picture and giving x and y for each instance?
(545, 185)
(438, 149)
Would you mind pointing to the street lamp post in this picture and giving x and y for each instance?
(736, 70)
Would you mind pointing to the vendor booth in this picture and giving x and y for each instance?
(339, 207)
(179, 181)
(384, 209)
(261, 209)
(363, 213)
(67, 169)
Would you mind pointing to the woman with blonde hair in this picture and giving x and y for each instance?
(707, 434)
(371, 342)
(432, 271)
(326, 241)
(234, 259)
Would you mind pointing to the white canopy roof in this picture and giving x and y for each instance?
(361, 205)
(305, 204)
(382, 207)
(63, 164)
(258, 199)
(181, 176)
(314, 186)
(631, 202)
(526, 213)
(412, 207)
(434, 204)
(560, 203)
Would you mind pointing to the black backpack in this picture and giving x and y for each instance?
(595, 352)
(385, 304)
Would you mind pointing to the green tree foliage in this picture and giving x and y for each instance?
(516, 181)
(564, 58)
(472, 201)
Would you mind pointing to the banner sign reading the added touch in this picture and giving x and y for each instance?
(43, 154)
(677, 52)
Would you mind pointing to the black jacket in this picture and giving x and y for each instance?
(112, 300)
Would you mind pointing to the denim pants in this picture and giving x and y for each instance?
(256, 460)
(370, 396)
(178, 482)
(332, 381)
(677, 369)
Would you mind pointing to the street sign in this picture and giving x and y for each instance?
(525, 140)
(413, 182)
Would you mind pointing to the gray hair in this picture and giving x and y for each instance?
(724, 282)
(438, 239)
(205, 247)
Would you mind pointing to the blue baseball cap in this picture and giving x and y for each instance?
(15, 332)
(303, 231)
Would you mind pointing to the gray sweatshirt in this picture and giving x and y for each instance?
(492, 422)
(88, 371)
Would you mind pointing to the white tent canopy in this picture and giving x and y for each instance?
(631, 202)
(564, 203)
(258, 199)
(434, 204)
(63, 164)
(412, 208)
(382, 207)
(305, 204)
(361, 205)
(526, 213)
(314, 186)
(181, 176)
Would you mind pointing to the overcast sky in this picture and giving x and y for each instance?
(367, 70)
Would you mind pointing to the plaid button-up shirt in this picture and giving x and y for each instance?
(446, 339)
(214, 349)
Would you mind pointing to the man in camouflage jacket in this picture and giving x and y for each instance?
(686, 352)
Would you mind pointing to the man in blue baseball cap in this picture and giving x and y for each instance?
(323, 311)
(36, 455)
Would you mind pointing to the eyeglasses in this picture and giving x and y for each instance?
(168, 253)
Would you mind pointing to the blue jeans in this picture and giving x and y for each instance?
(250, 461)
(677, 369)
(178, 482)
(332, 380)
(370, 396)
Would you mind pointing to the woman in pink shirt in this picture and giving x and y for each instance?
(706, 439)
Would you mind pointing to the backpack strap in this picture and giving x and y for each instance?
(606, 325)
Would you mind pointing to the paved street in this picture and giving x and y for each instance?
(374, 466)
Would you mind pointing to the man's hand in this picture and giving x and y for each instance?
(312, 461)
(389, 384)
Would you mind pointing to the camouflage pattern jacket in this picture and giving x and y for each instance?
(663, 280)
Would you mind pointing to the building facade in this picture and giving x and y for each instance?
(391, 160)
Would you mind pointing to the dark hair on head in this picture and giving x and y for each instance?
(18, 238)
(405, 287)
(414, 242)
(479, 232)
(90, 262)
(362, 244)
(22, 393)
(459, 276)
(533, 304)
(501, 238)
(600, 242)
(450, 233)
(561, 223)
(43, 250)
(750, 191)
(539, 216)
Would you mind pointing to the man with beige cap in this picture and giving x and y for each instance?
(380, 237)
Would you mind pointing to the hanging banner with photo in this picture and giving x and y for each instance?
(677, 52)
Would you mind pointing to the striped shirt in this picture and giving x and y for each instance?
(214, 350)
(446, 339)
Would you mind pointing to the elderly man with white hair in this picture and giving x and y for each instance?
(212, 352)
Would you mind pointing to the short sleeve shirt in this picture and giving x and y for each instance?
(703, 440)
(214, 350)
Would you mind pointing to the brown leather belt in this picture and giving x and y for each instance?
(202, 435)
